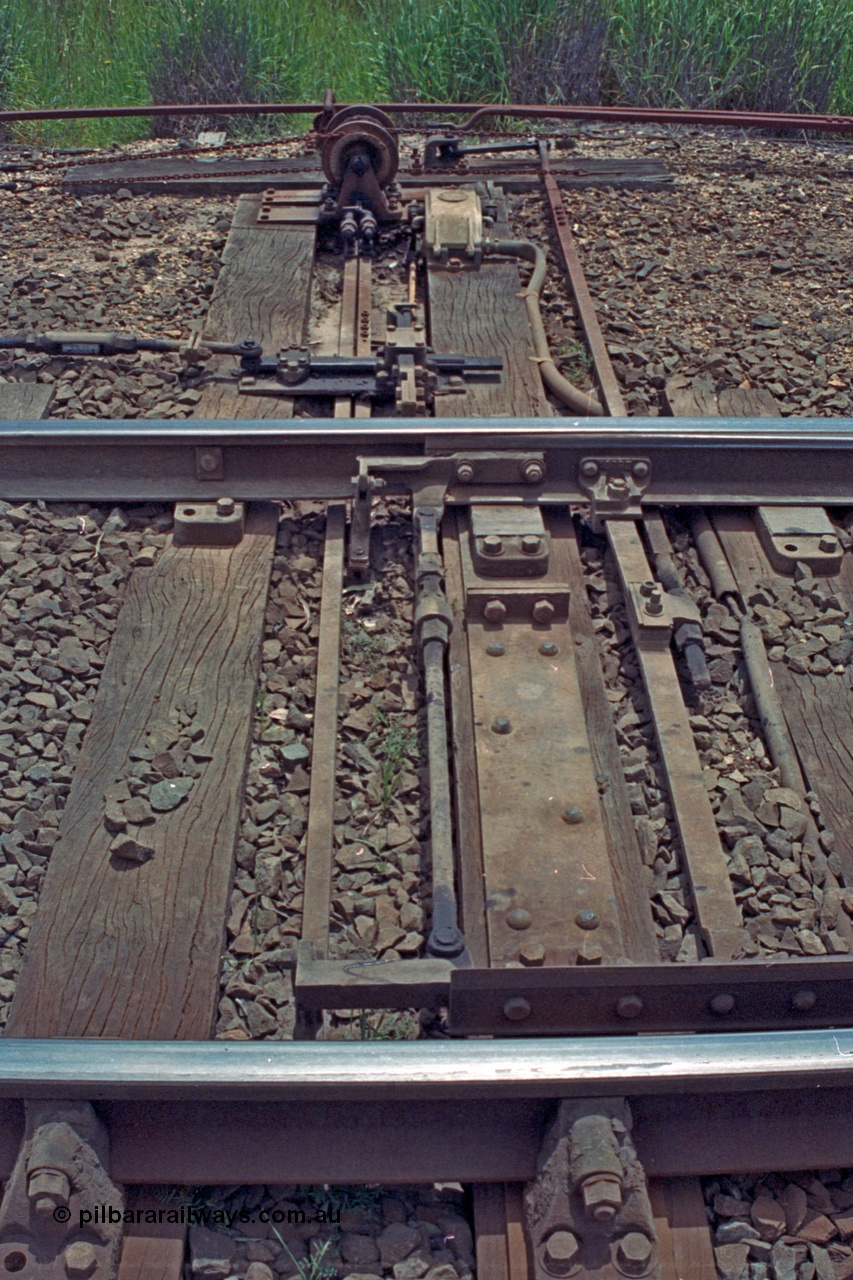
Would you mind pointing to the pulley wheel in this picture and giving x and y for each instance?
(354, 135)
(362, 113)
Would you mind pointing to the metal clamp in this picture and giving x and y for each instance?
(615, 486)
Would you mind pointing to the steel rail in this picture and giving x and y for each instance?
(477, 113)
(457, 1069)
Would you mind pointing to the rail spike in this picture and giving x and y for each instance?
(61, 1215)
(588, 1212)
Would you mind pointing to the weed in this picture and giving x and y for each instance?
(397, 742)
(313, 1267)
(575, 360)
(387, 1025)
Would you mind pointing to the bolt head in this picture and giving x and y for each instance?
(531, 544)
(561, 1252)
(573, 814)
(617, 487)
(225, 506)
(501, 725)
(532, 953)
(495, 650)
(208, 461)
(602, 1196)
(494, 611)
(548, 649)
(465, 472)
(804, 999)
(589, 469)
(640, 470)
(723, 1003)
(629, 1007)
(518, 918)
(587, 919)
(516, 1009)
(80, 1260)
(533, 471)
(493, 545)
(543, 611)
(634, 1253)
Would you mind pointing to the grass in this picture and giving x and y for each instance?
(398, 743)
(750, 54)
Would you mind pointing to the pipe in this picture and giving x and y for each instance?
(565, 391)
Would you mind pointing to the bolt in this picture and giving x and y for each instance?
(590, 953)
(518, 918)
(47, 1189)
(493, 545)
(548, 649)
(602, 1196)
(573, 814)
(465, 472)
(495, 650)
(723, 1003)
(617, 487)
(587, 919)
(640, 470)
(589, 469)
(629, 1007)
(804, 999)
(827, 544)
(225, 506)
(208, 461)
(533, 471)
(561, 1252)
(80, 1260)
(532, 953)
(634, 1253)
(517, 1009)
(543, 611)
(494, 611)
(531, 544)
(654, 602)
(446, 940)
(501, 725)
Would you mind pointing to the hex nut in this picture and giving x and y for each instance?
(80, 1260)
(225, 506)
(494, 611)
(543, 611)
(561, 1252)
(493, 544)
(533, 471)
(828, 544)
(47, 1188)
(531, 544)
(634, 1253)
(531, 954)
(516, 1009)
(602, 1196)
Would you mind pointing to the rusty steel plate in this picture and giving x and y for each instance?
(548, 888)
(710, 996)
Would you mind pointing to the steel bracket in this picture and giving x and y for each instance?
(615, 486)
(209, 524)
(61, 1215)
(588, 1212)
(453, 228)
(799, 535)
(655, 613)
(508, 540)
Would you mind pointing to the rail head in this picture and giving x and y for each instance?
(456, 1069)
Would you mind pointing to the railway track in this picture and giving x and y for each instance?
(520, 732)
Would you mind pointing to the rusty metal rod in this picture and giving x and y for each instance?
(445, 912)
(480, 112)
(605, 375)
